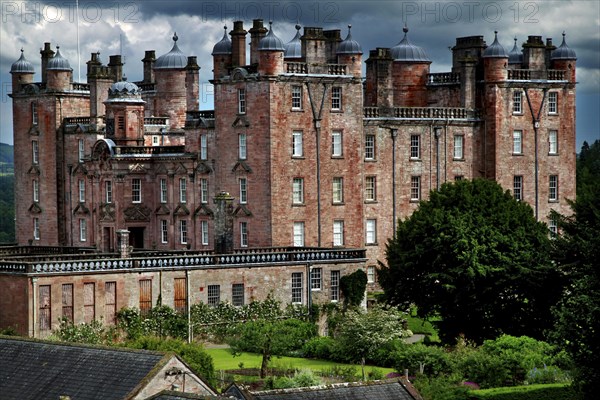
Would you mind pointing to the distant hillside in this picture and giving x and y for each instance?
(7, 154)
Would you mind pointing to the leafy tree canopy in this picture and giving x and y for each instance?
(475, 256)
(577, 251)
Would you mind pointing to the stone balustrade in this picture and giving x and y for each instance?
(443, 78)
(449, 113)
(255, 257)
(530, 74)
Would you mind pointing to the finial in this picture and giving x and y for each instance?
(124, 78)
(564, 34)
(496, 34)
(515, 40)
(175, 37)
(270, 23)
(21, 50)
(225, 27)
(349, 26)
(298, 27)
(57, 47)
(405, 29)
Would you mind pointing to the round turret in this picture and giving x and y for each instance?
(408, 52)
(495, 61)
(293, 48)
(59, 73)
(564, 58)
(270, 59)
(349, 53)
(174, 59)
(222, 55)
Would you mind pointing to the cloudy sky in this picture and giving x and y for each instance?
(131, 27)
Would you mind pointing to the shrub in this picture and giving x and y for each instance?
(441, 388)
(322, 347)
(387, 354)
(419, 358)
(90, 333)
(353, 287)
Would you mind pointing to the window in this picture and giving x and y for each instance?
(338, 190)
(415, 188)
(36, 190)
(243, 234)
(299, 234)
(36, 228)
(155, 140)
(296, 97)
(67, 301)
(110, 302)
(371, 274)
(136, 190)
(336, 144)
(81, 150)
(145, 296)
(517, 142)
(81, 191)
(517, 102)
(415, 146)
(108, 191)
(242, 149)
(298, 191)
(121, 122)
(204, 232)
(338, 233)
(237, 294)
(45, 309)
(297, 150)
(35, 152)
(458, 177)
(242, 101)
(369, 147)
(34, 113)
(204, 190)
(89, 302)
(370, 188)
(82, 230)
(243, 190)
(183, 231)
(553, 226)
(553, 142)
(458, 147)
(204, 146)
(518, 187)
(182, 190)
(214, 295)
(371, 231)
(297, 287)
(164, 231)
(315, 278)
(336, 98)
(163, 190)
(334, 285)
(553, 188)
(180, 295)
(552, 102)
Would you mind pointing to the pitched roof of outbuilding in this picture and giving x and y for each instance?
(39, 370)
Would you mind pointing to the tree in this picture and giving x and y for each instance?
(353, 288)
(577, 251)
(477, 258)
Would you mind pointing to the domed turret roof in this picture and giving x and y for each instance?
(495, 50)
(124, 91)
(564, 52)
(406, 51)
(22, 66)
(271, 42)
(58, 62)
(223, 47)
(293, 48)
(349, 45)
(174, 59)
(516, 55)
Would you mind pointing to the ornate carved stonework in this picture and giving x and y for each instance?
(137, 212)
(107, 212)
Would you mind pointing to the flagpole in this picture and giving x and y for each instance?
(78, 50)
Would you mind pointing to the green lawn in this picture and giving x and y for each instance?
(223, 360)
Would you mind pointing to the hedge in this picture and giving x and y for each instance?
(553, 391)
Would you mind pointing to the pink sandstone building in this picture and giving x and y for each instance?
(302, 154)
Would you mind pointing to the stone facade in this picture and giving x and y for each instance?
(312, 154)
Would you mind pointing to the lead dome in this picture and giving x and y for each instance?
(564, 52)
(174, 59)
(22, 66)
(495, 50)
(58, 62)
(223, 47)
(406, 51)
(293, 48)
(271, 42)
(349, 45)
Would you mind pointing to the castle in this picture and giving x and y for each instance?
(300, 152)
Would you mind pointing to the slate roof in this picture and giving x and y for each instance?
(41, 370)
(172, 395)
(374, 390)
